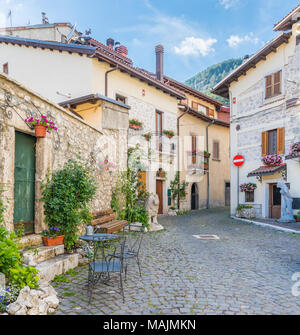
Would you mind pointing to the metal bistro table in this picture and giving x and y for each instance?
(101, 262)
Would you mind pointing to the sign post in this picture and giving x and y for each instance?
(238, 161)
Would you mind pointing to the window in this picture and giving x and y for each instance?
(198, 107)
(5, 68)
(273, 84)
(216, 150)
(194, 148)
(120, 98)
(158, 127)
(273, 142)
(249, 196)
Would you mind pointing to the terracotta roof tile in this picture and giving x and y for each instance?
(277, 25)
(266, 170)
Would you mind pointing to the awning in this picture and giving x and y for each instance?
(267, 170)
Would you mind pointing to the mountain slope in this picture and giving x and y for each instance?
(207, 79)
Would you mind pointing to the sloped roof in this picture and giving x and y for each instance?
(100, 54)
(287, 22)
(222, 87)
(266, 170)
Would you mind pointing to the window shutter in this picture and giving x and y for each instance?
(280, 141)
(195, 105)
(268, 86)
(194, 148)
(277, 83)
(264, 143)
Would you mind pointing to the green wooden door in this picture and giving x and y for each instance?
(24, 181)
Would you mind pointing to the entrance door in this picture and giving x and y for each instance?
(194, 197)
(227, 194)
(24, 181)
(274, 202)
(159, 192)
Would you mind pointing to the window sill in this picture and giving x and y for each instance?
(271, 100)
(216, 160)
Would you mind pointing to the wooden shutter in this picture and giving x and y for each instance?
(280, 141)
(264, 143)
(277, 83)
(211, 113)
(194, 148)
(195, 105)
(268, 86)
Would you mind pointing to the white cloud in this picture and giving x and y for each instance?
(195, 46)
(235, 40)
(228, 3)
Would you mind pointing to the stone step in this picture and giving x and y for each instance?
(56, 266)
(30, 240)
(38, 255)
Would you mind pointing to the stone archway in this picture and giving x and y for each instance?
(194, 197)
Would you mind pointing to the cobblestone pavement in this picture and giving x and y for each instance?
(247, 271)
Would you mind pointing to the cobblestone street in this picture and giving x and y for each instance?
(247, 271)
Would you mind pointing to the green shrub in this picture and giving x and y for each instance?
(22, 276)
(240, 207)
(66, 195)
(10, 256)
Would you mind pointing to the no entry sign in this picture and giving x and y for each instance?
(238, 160)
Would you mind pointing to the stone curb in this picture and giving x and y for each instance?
(268, 225)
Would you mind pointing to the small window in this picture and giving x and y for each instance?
(5, 68)
(249, 196)
(120, 98)
(273, 142)
(198, 107)
(216, 150)
(273, 84)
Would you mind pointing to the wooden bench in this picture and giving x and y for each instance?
(105, 222)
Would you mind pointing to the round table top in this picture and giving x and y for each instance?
(98, 237)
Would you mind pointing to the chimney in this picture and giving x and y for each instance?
(110, 43)
(122, 50)
(159, 50)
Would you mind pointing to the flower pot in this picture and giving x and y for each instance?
(40, 131)
(169, 136)
(51, 241)
(134, 126)
(205, 166)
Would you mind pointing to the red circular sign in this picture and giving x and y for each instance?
(238, 160)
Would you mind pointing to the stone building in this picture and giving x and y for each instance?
(70, 73)
(264, 94)
(202, 129)
(25, 159)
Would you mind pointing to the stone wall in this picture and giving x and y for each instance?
(74, 137)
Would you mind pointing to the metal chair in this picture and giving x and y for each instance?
(134, 237)
(106, 257)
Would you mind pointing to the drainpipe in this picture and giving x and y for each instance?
(207, 200)
(106, 75)
(187, 108)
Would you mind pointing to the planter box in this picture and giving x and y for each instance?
(135, 126)
(247, 213)
(50, 241)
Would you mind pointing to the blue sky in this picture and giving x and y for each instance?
(195, 33)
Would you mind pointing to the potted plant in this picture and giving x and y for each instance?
(172, 211)
(168, 133)
(41, 126)
(52, 236)
(248, 187)
(206, 154)
(161, 173)
(205, 166)
(295, 149)
(298, 216)
(147, 136)
(106, 165)
(245, 211)
(272, 159)
(135, 124)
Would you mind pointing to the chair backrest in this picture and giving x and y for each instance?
(105, 250)
(135, 235)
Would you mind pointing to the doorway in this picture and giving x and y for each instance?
(159, 192)
(194, 197)
(274, 201)
(227, 194)
(24, 185)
